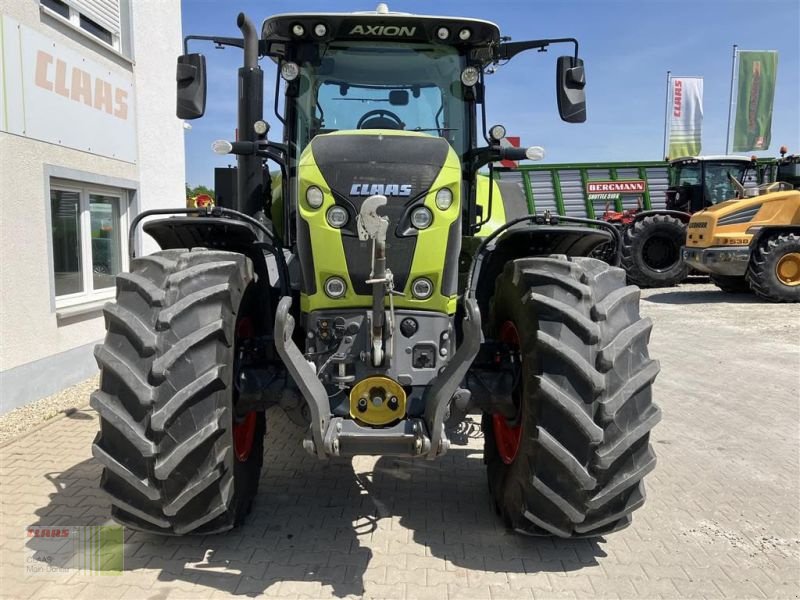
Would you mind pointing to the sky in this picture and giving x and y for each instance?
(627, 45)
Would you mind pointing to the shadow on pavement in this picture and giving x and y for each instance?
(683, 296)
(447, 507)
(319, 521)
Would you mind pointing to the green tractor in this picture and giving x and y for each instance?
(377, 286)
(652, 239)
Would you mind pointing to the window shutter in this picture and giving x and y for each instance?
(102, 12)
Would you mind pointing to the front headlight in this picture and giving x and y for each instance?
(444, 199)
(337, 217)
(314, 196)
(335, 287)
(422, 288)
(421, 218)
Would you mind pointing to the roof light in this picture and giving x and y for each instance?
(469, 76)
(298, 30)
(260, 127)
(320, 29)
(289, 71)
(464, 34)
(443, 33)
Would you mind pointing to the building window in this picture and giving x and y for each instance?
(88, 242)
(96, 30)
(57, 7)
(105, 20)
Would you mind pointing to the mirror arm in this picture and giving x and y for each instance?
(219, 42)
(479, 157)
(269, 150)
(509, 50)
(264, 48)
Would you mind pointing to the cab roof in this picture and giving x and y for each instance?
(380, 25)
(711, 158)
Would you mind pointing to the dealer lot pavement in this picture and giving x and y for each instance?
(722, 517)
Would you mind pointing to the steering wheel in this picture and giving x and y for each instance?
(381, 114)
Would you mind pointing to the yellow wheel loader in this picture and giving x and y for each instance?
(752, 243)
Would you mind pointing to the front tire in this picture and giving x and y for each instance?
(584, 406)
(774, 270)
(166, 400)
(651, 251)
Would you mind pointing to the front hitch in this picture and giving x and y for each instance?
(372, 226)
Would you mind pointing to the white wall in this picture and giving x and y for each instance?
(29, 328)
(157, 43)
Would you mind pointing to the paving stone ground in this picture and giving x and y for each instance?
(722, 518)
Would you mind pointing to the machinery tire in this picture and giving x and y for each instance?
(584, 399)
(166, 439)
(773, 270)
(731, 285)
(651, 251)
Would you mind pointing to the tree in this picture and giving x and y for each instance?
(200, 189)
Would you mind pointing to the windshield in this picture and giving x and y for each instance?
(688, 174)
(718, 183)
(383, 86)
(718, 186)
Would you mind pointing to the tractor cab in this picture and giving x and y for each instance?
(788, 170)
(702, 181)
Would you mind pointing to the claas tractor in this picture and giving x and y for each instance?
(752, 243)
(371, 280)
(652, 240)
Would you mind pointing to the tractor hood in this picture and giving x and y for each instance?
(408, 168)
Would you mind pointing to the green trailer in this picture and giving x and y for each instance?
(649, 201)
(564, 188)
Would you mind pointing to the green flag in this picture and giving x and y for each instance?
(753, 125)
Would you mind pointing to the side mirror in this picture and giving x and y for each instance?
(191, 77)
(570, 84)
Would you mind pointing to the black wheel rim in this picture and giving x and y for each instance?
(660, 253)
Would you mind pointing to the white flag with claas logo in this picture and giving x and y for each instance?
(685, 116)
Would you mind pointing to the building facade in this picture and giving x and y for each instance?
(88, 139)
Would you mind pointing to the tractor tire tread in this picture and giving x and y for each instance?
(584, 448)
(632, 260)
(165, 440)
(761, 271)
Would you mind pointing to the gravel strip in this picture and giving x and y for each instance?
(26, 418)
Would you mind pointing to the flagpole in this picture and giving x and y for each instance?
(730, 101)
(666, 117)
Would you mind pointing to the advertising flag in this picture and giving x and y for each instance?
(752, 127)
(685, 116)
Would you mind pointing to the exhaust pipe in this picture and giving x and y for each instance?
(245, 25)
(252, 195)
